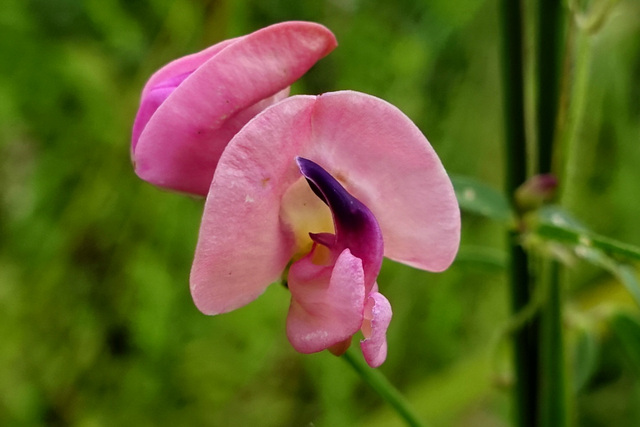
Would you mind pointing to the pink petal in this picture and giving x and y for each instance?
(326, 302)
(386, 162)
(374, 150)
(177, 69)
(180, 144)
(185, 64)
(377, 316)
(242, 246)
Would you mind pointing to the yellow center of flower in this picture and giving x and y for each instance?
(303, 212)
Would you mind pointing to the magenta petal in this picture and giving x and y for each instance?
(149, 103)
(184, 65)
(377, 316)
(165, 81)
(326, 302)
(181, 141)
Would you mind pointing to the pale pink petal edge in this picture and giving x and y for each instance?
(374, 347)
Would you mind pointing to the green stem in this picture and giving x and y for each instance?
(513, 95)
(552, 398)
(525, 340)
(526, 358)
(549, 35)
(553, 389)
(383, 387)
(576, 75)
(576, 89)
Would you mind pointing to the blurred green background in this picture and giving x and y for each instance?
(97, 326)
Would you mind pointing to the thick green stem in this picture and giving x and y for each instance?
(553, 388)
(552, 398)
(525, 339)
(513, 95)
(525, 350)
(549, 37)
(384, 388)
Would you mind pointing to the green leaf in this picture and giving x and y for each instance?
(477, 197)
(628, 277)
(585, 357)
(556, 224)
(623, 272)
(627, 329)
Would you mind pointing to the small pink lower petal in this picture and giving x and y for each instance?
(326, 303)
(377, 315)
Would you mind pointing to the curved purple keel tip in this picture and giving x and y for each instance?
(356, 226)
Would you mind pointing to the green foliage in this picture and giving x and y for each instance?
(627, 329)
(556, 225)
(476, 197)
(96, 320)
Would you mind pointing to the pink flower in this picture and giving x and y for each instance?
(193, 106)
(313, 184)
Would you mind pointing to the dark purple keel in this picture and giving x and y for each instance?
(356, 226)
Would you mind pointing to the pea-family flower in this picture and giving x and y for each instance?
(193, 106)
(320, 188)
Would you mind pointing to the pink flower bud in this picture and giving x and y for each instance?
(192, 107)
